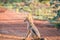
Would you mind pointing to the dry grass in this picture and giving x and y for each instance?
(3, 36)
(11, 37)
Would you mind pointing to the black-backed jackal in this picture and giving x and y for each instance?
(32, 30)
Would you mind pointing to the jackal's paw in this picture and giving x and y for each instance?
(23, 39)
(43, 39)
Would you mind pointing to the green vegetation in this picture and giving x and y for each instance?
(35, 8)
(56, 23)
(40, 9)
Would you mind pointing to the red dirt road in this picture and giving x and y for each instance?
(12, 23)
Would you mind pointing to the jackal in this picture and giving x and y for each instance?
(32, 29)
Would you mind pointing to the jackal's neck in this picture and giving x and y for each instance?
(29, 23)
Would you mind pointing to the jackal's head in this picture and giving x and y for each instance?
(26, 20)
(29, 18)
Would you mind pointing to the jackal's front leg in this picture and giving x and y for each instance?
(28, 34)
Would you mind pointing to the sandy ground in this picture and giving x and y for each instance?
(12, 24)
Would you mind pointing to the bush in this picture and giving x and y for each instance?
(55, 23)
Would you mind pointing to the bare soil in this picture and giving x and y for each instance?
(12, 27)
